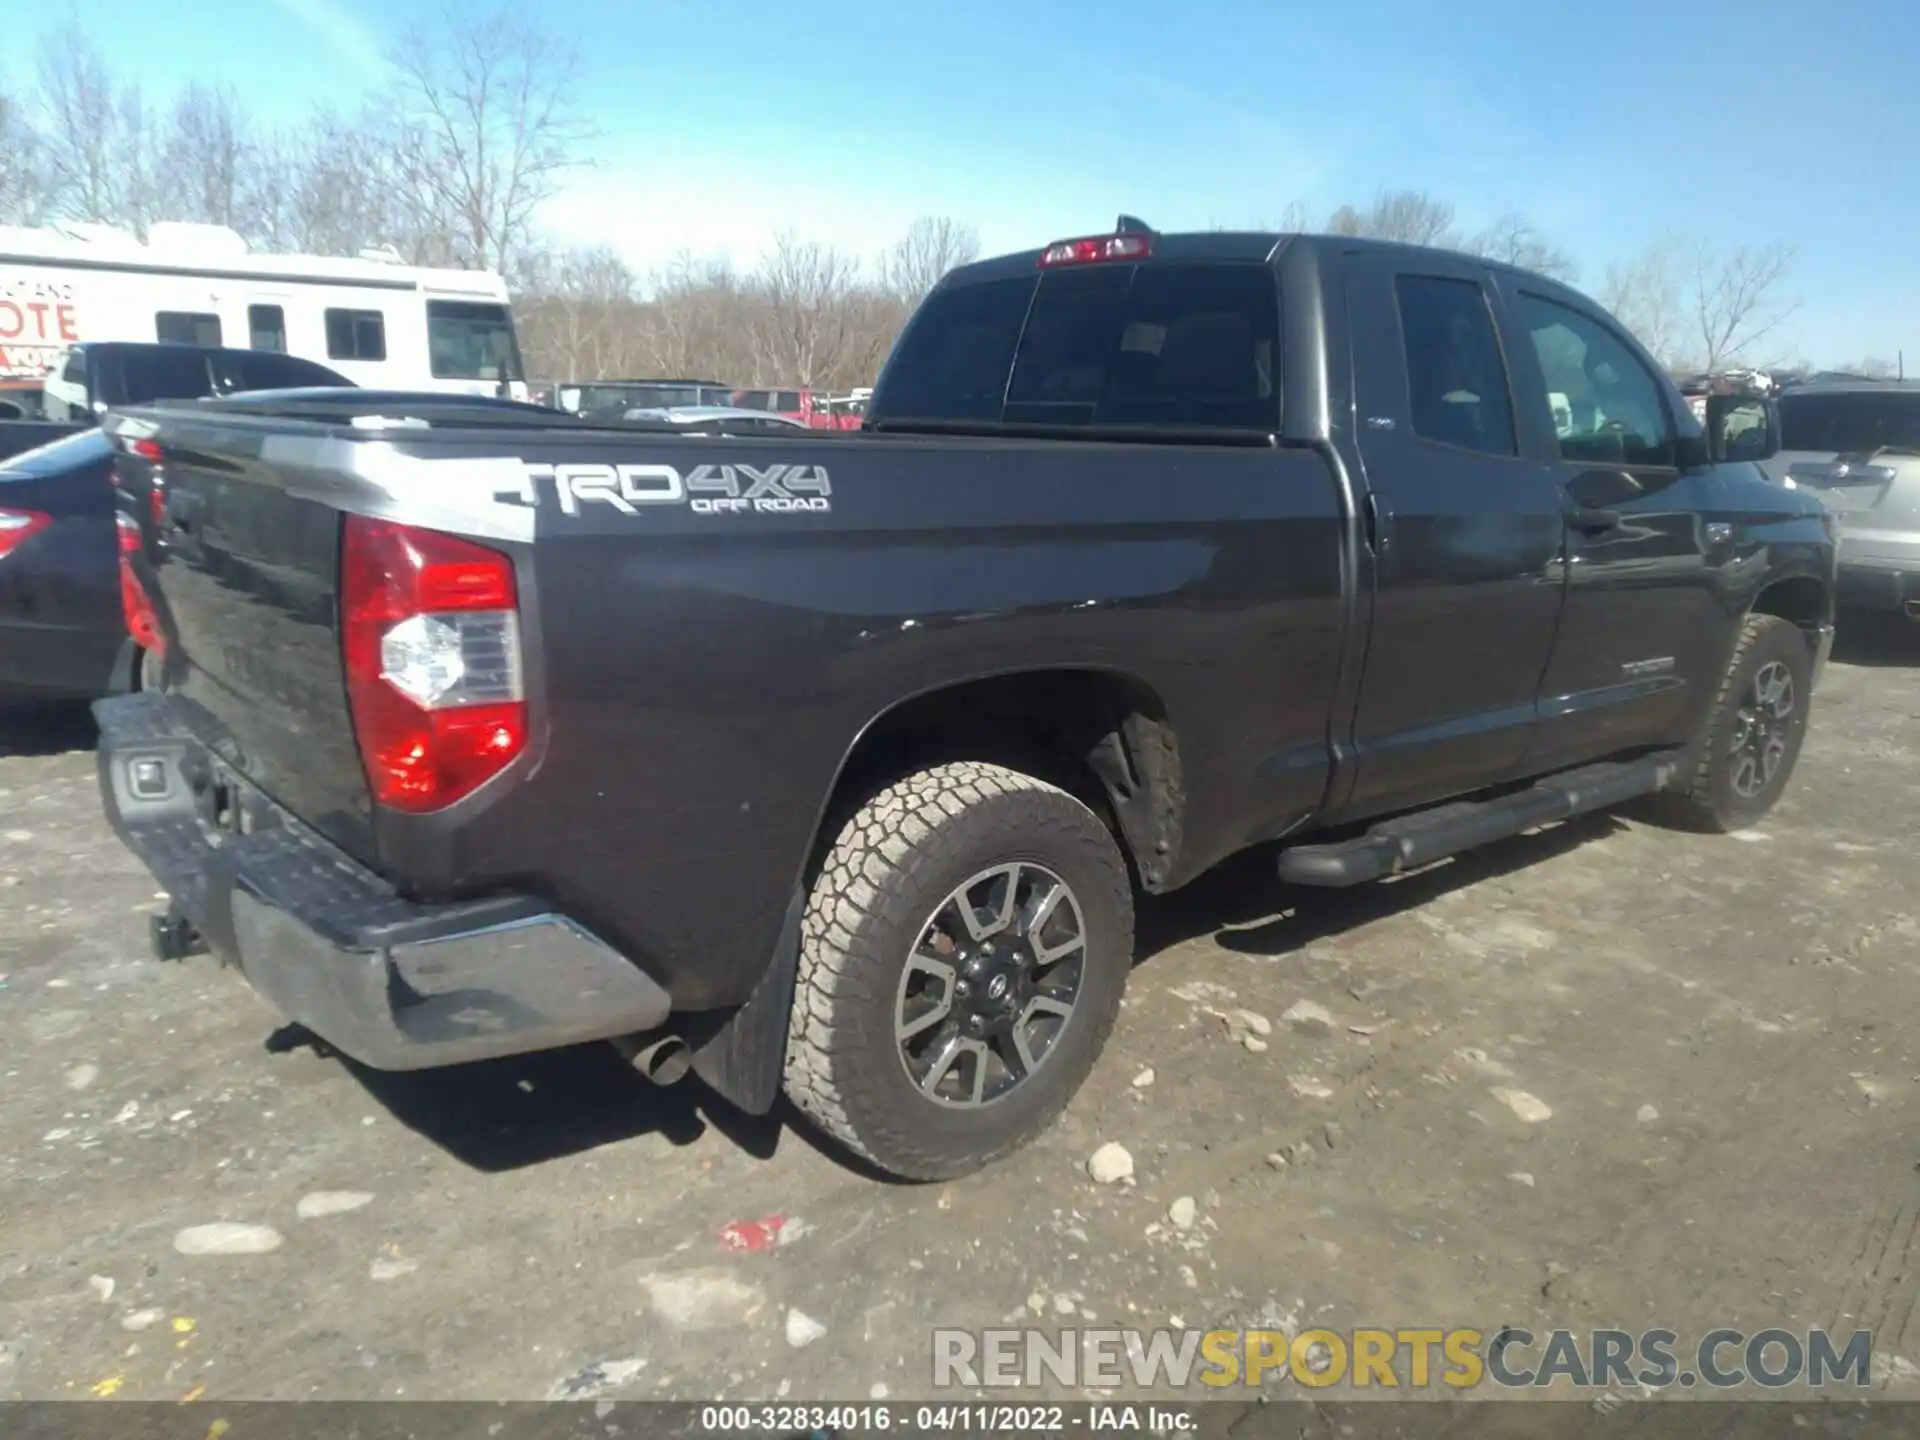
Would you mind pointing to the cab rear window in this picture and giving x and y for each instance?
(1159, 344)
(1855, 423)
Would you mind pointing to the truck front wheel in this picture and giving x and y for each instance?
(1752, 736)
(965, 947)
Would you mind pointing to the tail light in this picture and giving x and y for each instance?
(143, 624)
(430, 633)
(19, 526)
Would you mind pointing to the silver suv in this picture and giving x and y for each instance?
(1857, 446)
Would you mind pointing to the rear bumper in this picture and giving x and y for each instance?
(395, 984)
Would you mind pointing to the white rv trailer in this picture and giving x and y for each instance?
(380, 323)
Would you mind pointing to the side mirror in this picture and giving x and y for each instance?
(1742, 427)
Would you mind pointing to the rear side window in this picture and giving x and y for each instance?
(184, 327)
(159, 375)
(1456, 379)
(1850, 424)
(356, 335)
(787, 401)
(1158, 344)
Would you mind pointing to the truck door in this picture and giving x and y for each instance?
(1467, 536)
(1644, 627)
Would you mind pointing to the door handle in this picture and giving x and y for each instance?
(1590, 520)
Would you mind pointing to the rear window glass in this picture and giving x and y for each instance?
(261, 371)
(85, 448)
(1157, 344)
(1850, 424)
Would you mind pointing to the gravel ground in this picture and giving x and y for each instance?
(1605, 1074)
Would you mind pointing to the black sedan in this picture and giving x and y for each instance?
(63, 630)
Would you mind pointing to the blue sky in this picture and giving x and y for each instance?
(1610, 125)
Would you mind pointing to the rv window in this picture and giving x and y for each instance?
(356, 335)
(470, 341)
(267, 328)
(184, 327)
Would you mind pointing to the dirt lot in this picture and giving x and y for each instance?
(1608, 1074)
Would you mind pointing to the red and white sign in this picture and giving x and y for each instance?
(38, 320)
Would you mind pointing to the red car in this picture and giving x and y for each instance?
(809, 407)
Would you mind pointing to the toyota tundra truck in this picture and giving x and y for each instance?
(833, 763)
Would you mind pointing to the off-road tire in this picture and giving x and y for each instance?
(1707, 800)
(888, 868)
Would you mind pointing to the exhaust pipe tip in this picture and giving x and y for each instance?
(664, 1061)
(1913, 609)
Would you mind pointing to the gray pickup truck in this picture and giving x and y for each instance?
(833, 761)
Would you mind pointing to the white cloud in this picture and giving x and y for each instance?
(344, 32)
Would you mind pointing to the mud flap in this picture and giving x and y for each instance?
(745, 1057)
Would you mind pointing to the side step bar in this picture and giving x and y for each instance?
(1410, 841)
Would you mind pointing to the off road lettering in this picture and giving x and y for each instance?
(777, 489)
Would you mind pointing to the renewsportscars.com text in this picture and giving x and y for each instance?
(1407, 1358)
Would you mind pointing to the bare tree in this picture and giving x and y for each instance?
(328, 187)
(803, 288)
(1735, 299)
(580, 322)
(95, 135)
(483, 128)
(1514, 240)
(1410, 216)
(23, 180)
(1295, 217)
(933, 245)
(1645, 294)
(203, 160)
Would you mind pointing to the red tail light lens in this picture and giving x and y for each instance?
(142, 622)
(1095, 249)
(430, 633)
(19, 526)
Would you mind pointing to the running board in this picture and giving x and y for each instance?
(1410, 841)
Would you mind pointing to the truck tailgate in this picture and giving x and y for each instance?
(243, 568)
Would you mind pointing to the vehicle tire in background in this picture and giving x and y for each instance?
(964, 950)
(1752, 736)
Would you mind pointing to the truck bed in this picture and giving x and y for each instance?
(712, 623)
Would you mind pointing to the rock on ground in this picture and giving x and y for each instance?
(227, 1238)
(330, 1202)
(1110, 1163)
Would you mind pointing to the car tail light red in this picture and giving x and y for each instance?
(1094, 249)
(430, 634)
(143, 624)
(19, 526)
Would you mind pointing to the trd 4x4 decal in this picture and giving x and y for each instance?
(704, 490)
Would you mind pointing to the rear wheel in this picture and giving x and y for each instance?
(1752, 736)
(961, 965)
